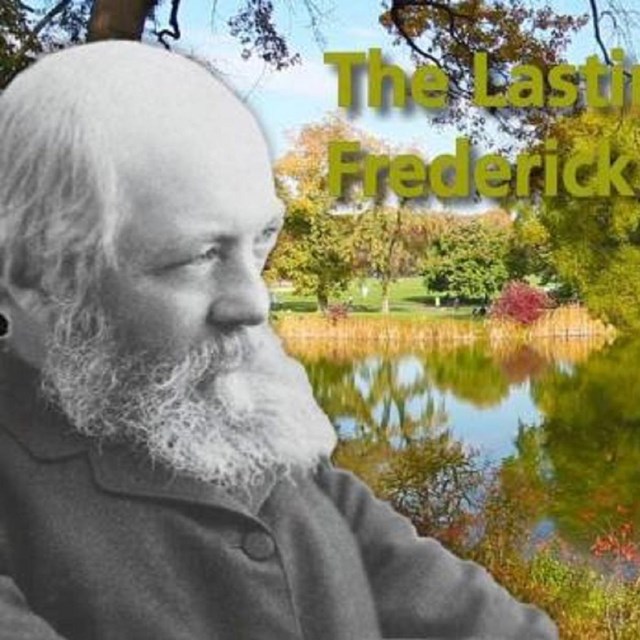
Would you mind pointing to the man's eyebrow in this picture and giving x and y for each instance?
(279, 211)
(174, 250)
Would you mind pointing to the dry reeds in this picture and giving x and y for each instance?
(564, 322)
(378, 330)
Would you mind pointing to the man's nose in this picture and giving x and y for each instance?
(241, 296)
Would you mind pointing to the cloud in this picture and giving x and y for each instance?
(309, 79)
(364, 33)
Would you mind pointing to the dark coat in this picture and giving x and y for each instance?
(96, 544)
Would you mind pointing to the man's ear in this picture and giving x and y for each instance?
(5, 324)
(5, 313)
(21, 331)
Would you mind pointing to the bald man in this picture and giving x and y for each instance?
(164, 467)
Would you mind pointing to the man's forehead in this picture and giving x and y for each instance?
(204, 176)
(175, 119)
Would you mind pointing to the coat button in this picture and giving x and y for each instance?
(258, 545)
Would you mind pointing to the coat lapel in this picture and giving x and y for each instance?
(117, 469)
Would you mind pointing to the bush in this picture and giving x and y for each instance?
(336, 312)
(521, 302)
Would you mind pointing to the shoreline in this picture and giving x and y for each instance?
(563, 323)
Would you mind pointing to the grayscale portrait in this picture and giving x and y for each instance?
(165, 471)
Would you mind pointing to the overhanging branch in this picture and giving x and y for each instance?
(397, 20)
(174, 31)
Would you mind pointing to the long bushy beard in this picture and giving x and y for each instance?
(228, 412)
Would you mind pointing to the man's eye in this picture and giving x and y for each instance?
(210, 254)
(268, 234)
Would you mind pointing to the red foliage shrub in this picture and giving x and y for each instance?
(618, 544)
(521, 302)
(335, 312)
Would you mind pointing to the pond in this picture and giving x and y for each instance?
(558, 422)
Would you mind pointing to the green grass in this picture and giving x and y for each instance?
(407, 298)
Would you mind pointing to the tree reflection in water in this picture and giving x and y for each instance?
(578, 468)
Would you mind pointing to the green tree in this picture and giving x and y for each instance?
(313, 250)
(469, 258)
(390, 242)
(26, 31)
(595, 241)
(13, 33)
(530, 255)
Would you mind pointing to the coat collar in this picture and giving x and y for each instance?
(119, 470)
(45, 432)
(39, 427)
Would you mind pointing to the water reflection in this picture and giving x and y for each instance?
(377, 398)
(559, 422)
(591, 441)
(479, 393)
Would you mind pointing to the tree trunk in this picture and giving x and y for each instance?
(322, 299)
(118, 19)
(385, 296)
(388, 269)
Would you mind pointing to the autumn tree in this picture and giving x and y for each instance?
(389, 242)
(385, 232)
(378, 247)
(445, 33)
(450, 34)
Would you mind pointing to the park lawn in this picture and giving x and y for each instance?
(407, 299)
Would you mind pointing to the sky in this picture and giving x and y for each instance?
(285, 101)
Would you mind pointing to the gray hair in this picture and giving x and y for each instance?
(57, 187)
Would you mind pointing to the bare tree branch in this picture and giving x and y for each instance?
(40, 25)
(596, 31)
(315, 13)
(397, 22)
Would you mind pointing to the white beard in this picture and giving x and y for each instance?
(229, 412)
